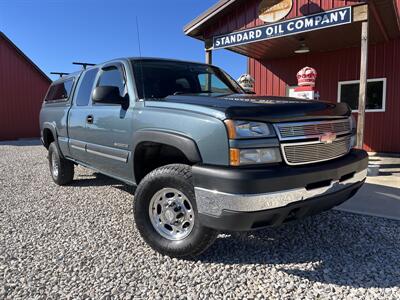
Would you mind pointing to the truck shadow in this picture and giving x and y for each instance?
(334, 247)
(98, 179)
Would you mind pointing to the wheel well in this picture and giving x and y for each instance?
(48, 137)
(151, 155)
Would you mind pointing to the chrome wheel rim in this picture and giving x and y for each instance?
(171, 214)
(54, 165)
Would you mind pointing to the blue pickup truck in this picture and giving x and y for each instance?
(204, 155)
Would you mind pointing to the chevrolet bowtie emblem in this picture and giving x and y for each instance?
(327, 138)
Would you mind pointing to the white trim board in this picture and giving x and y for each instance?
(383, 109)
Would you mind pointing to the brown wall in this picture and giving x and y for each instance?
(22, 88)
(382, 129)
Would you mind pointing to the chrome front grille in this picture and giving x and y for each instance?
(303, 130)
(296, 151)
(311, 152)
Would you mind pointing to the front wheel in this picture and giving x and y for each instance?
(166, 214)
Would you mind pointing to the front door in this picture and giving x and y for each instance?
(109, 127)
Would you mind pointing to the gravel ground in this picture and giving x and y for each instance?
(79, 242)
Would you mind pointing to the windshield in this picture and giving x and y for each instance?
(160, 79)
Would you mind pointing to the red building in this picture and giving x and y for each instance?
(329, 33)
(22, 88)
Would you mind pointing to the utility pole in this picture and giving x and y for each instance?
(208, 46)
(362, 98)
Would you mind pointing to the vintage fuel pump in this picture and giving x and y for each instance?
(306, 85)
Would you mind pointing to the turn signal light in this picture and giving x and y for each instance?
(234, 157)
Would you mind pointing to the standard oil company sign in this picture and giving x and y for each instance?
(317, 21)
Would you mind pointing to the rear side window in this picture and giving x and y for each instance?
(60, 91)
(85, 88)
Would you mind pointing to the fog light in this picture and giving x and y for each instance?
(255, 156)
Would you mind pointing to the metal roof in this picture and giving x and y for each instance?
(387, 9)
(214, 10)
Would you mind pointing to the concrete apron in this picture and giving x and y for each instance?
(380, 195)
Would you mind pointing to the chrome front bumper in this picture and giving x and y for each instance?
(213, 203)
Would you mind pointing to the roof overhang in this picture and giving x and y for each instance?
(194, 28)
(383, 18)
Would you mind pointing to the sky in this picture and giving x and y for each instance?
(53, 33)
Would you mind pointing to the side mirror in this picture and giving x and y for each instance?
(108, 94)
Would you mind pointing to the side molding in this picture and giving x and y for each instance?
(183, 143)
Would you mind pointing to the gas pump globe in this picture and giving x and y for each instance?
(246, 82)
(306, 78)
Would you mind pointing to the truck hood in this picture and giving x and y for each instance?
(264, 108)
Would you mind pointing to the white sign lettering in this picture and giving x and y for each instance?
(317, 21)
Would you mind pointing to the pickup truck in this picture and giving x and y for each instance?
(204, 156)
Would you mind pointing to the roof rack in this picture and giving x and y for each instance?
(59, 73)
(83, 64)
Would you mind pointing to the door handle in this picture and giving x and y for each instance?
(89, 119)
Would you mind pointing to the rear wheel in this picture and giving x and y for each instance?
(61, 170)
(166, 214)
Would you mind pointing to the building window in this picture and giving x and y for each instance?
(376, 94)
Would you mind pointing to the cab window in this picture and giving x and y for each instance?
(212, 84)
(85, 88)
(60, 91)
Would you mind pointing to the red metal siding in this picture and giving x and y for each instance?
(272, 77)
(382, 129)
(22, 89)
(398, 6)
(245, 15)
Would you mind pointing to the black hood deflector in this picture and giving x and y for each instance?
(265, 108)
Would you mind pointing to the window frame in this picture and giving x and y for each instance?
(102, 69)
(60, 81)
(383, 79)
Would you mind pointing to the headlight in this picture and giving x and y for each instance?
(240, 157)
(246, 129)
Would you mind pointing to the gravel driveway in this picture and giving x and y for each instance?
(79, 241)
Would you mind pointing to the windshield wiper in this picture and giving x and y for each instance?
(180, 93)
(202, 92)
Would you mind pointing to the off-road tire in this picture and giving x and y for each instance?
(176, 176)
(65, 173)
